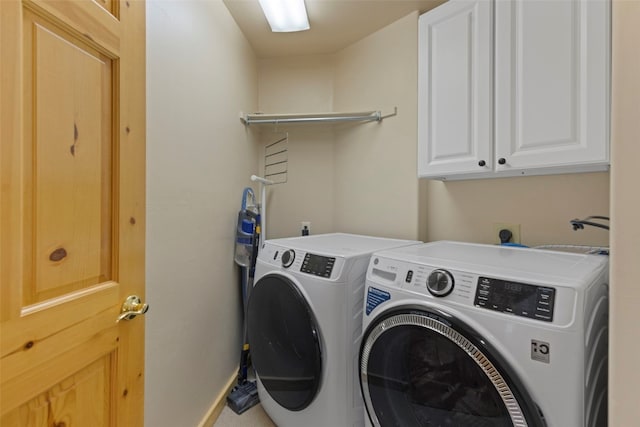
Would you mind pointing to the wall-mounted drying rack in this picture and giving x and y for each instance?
(366, 116)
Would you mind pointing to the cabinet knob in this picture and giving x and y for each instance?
(502, 160)
(482, 163)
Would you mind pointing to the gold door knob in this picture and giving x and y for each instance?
(132, 307)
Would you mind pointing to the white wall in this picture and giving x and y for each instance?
(301, 84)
(376, 185)
(358, 178)
(624, 375)
(201, 73)
(542, 205)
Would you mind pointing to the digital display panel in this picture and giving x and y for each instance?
(317, 265)
(535, 302)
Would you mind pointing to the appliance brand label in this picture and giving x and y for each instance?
(541, 351)
(375, 297)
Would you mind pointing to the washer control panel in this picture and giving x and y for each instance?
(521, 299)
(450, 285)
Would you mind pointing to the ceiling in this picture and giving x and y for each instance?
(335, 24)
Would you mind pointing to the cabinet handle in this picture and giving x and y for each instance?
(482, 163)
(502, 160)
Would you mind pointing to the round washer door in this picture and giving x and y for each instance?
(284, 342)
(418, 368)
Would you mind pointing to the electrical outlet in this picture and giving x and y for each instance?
(306, 224)
(514, 228)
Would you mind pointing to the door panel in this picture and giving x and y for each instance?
(85, 394)
(72, 218)
(552, 84)
(71, 229)
(455, 89)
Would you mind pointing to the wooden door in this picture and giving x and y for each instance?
(455, 90)
(552, 85)
(72, 216)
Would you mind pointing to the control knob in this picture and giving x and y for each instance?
(288, 257)
(440, 283)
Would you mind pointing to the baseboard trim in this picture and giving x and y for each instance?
(218, 404)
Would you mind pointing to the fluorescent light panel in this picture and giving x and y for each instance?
(285, 15)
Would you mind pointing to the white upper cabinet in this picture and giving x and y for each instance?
(455, 89)
(534, 101)
(552, 84)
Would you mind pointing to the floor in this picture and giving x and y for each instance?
(254, 417)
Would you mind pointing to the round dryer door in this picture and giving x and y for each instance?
(419, 368)
(284, 342)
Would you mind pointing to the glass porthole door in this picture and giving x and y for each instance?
(284, 342)
(417, 368)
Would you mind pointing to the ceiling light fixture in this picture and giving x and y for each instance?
(285, 16)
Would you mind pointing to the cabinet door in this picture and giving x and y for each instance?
(455, 90)
(552, 85)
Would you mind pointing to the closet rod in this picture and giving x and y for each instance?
(368, 116)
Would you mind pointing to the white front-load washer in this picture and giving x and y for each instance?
(305, 325)
(459, 334)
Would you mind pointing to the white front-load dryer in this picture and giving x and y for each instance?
(464, 335)
(305, 325)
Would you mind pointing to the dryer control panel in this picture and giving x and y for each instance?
(521, 299)
(295, 261)
(318, 265)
